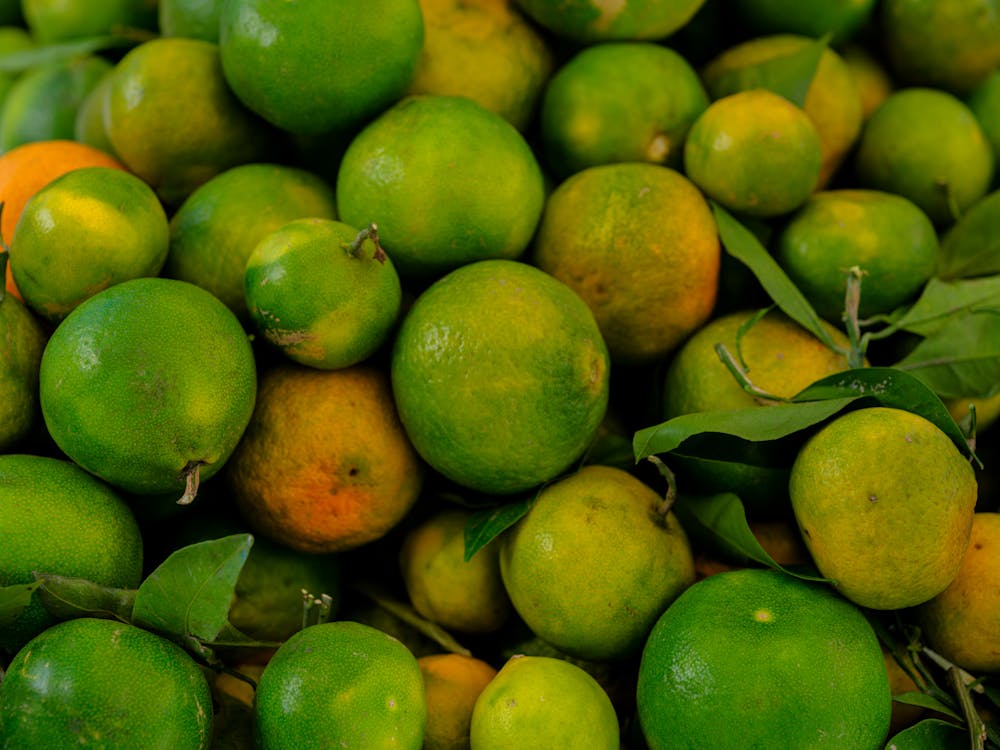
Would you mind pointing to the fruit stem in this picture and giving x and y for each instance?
(741, 377)
(852, 303)
(192, 478)
(977, 730)
(315, 611)
(370, 232)
(664, 506)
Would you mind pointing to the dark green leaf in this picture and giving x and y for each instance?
(941, 301)
(972, 246)
(67, 598)
(485, 525)
(724, 519)
(189, 594)
(14, 599)
(741, 243)
(788, 75)
(935, 733)
(923, 700)
(962, 359)
(610, 449)
(16, 62)
(755, 423)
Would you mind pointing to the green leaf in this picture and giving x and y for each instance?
(67, 598)
(743, 245)
(941, 301)
(972, 246)
(14, 599)
(17, 62)
(788, 75)
(962, 359)
(923, 700)
(724, 519)
(755, 423)
(188, 596)
(485, 525)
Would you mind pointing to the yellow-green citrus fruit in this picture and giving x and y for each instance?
(463, 595)
(781, 359)
(147, 382)
(962, 623)
(884, 501)
(88, 230)
(484, 50)
(342, 684)
(61, 20)
(887, 236)
(592, 20)
(757, 659)
(42, 104)
(22, 340)
(984, 102)
(174, 121)
(870, 77)
(841, 18)
(310, 68)
(632, 239)
(440, 203)
(949, 44)
(452, 683)
(541, 702)
(194, 19)
(88, 127)
(319, 299)
(217, 227)
(577, 565)
(620, 102)
(500, 376)
(926, 145)
(58, 519)
(102, 683)
(754, 152)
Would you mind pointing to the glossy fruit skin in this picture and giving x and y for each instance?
(341, 684)
(310, 68)
(594, 21)
(146, 377)
(22, 341)
(102, 683)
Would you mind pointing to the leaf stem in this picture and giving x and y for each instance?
(977, 730)
(370, 232)
(852, 303)
(741, 377)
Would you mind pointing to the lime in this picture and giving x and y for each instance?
(984, 102)
(22, 340)
(593, 20)
(193, 19)
(61, 20)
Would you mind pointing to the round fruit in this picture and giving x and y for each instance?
(61, 20)
(755, 153)
(323, 293)
(310, 68)
(440, 203)
(84, 232)
(149, 385)
(104, 683)
(22, 341)
(885, 503)
(193, 19)
(452, 683)
(500, 375)
(577, 566)
(325, 465)
(756, 658)
(593, 21)
(342, 684)
(984, 102)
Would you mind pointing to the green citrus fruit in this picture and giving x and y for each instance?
(926, 145)
(61, 20)
(320, 294)
(440, 203)
(840, 18)
(463, 595)
(193, 19)
(984, 101)
(755, 153)
(577, 565)
(174, 121)
(757, 659)
(148, 384)
(593, 21)
(452, 683)
(540, 702)
(85, 231)
(631, 239)
(88, 127)
(500, 376)
(342, 684)
(887, 236)
(103, 683)
(619, 102)
(885, 503)
(309, 68)
(22, 340)
(42, 104)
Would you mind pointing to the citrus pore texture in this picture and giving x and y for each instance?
(593, 20)
(754, 659)
(500, 375)
(884, 501)
(577, 565)
(639, 244)
(341, 684)
(104, 683)
(146, 379)
(57, 519)
(441, 202)
(310, 68)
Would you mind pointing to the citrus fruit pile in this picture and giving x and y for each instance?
(500, 374)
